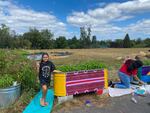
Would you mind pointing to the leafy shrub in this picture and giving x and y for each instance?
(27, 76)
(6, 81)
(146, 62)
(13, 64)
(82, 66)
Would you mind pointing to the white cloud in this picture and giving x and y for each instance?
(102, 19)
(21, 19)
(142, 26)
(111, 12)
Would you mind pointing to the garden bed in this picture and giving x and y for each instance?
(81, 78)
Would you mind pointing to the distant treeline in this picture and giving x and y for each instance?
(44, 39)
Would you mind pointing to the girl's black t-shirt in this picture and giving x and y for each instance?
(45, 70)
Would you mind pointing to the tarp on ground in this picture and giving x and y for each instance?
(35, 107)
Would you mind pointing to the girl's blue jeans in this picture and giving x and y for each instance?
(124, 80)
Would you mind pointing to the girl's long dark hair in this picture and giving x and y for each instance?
(133, 64)
(43, 56)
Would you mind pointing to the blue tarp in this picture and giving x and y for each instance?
(34, 106)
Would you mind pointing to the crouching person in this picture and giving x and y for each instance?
(127, 72)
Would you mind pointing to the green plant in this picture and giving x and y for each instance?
(2, 61)
(15, 65)
(27, 77)
(6, 81)
(146, 62)
(82, 66)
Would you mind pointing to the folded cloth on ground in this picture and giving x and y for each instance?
(115, 92)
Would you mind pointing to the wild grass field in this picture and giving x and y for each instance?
(112, 58)
(107, 55)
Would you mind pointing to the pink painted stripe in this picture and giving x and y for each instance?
(74, 82)
(82, 80)
(85, 83)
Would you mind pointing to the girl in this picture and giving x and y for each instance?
(127, 72)
(45, 70)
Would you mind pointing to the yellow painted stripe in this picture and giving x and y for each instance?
(106, 78)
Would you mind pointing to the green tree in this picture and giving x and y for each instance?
(39, 40)
(5, 37)
(119, 43)
(147, 42)
(34, 37)
(73, 43)
(126, 42)
(61, 42)
(88, 39)
(85, 41)
(94, 42)
(47, 37)
(108, 43)
(102, 44)
(138, 43)
(83, 36)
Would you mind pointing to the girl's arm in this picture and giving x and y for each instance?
(134, 73)
(136, 78)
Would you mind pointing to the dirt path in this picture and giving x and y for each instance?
(118, 105)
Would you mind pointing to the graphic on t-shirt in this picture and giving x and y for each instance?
(46, 71)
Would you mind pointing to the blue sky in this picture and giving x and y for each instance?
(109, 19)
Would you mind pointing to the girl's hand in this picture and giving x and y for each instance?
(141, 82)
